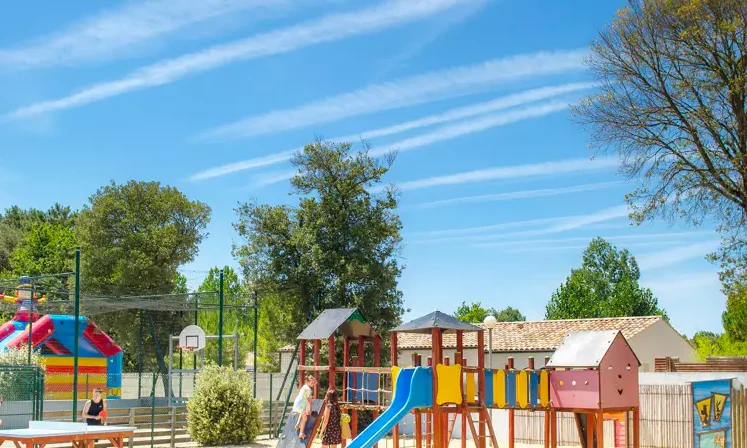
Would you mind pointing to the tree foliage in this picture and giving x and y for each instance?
(134, 237)
(672, 105)
(475, 313)
(340, 244)
(606, 285)
(735, 317)
(44, 248)
(709, 344)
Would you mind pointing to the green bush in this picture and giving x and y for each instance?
(17, 385)
(222, 411)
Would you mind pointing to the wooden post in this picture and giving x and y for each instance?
(377, 363)
(332, 361)
(590, 430)
(600, 430)
(317, 362)
(173, 426)
(437, 354)
(418, 429)
(430, 435)
(345, 363)
(481, 385)
(131, 423)
(394, 361)
(637, 428)
(546, 437)
(553, 429)
(301, 361)
(464, 400)
(511, 406)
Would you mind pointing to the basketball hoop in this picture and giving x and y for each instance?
(188, 348)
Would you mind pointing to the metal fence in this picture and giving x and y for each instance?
(22, 392)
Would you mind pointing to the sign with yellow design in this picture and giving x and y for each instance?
(712, 428)
(719, 401)
(704, 410)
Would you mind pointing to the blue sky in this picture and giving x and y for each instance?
(499, 196)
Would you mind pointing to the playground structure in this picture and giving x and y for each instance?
(593, 374)
(99, 358)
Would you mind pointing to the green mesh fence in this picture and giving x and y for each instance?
(22, 392)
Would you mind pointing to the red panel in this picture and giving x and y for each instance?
(69, 369)
(619, 377)
(42, 329)
(7, 329)
(574, 389)
(56, 347)
(100, 340)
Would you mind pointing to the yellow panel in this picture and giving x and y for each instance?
(522, 388)
(64, 378)
(449, 378)
(395, 373)
(499, 388)
(471, 387)
(544, 388)
(59, 395)
(67, 361)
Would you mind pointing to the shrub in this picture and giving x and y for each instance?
(18, 384)
(222, 410)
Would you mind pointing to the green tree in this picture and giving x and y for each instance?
(133, 238)
(475, 313)
(709, 344)
(342, 241)
(672, 104)
(236, 318)
(735, 316)
(44, 248)
(15, 222)
(606, 285)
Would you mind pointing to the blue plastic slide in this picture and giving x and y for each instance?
(414, 389)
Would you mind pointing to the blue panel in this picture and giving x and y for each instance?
(363, 380)
(64, 327)
(20, 326)
(534, 381)
(488, 387)
(511, 388)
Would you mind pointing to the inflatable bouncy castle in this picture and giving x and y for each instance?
(53, 336)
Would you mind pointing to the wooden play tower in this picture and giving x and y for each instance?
(592, 374)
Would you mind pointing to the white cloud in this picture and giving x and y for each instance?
(526, 194)
(705, 285)
(327, 29)
(657, 260)
(582, 247)
(635, 238)
(410, 91)
(273, 178)
(512, 172)
(506, 225)
(557, 225)
(108, 34)
(443, 133)
(472, 126)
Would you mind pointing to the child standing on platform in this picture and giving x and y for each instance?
(302, 405)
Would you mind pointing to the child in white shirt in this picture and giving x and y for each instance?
(302, 405)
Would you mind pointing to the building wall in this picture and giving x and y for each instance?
(660, 340)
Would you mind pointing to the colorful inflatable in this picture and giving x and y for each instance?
(99, 358)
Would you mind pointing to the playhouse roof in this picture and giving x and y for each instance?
(532, 336)
(585, 349)
(436, 319)
(348, 321)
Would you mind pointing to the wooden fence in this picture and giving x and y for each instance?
(666, 420)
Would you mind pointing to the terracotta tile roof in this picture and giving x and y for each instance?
(543, 335)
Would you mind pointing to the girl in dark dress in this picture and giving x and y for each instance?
(331, 430)
(93, 408)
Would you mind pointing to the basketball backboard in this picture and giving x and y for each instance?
(192, 338)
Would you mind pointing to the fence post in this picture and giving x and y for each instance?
(153, 408)
(272, 422)
(131, 442)
(173, 425)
